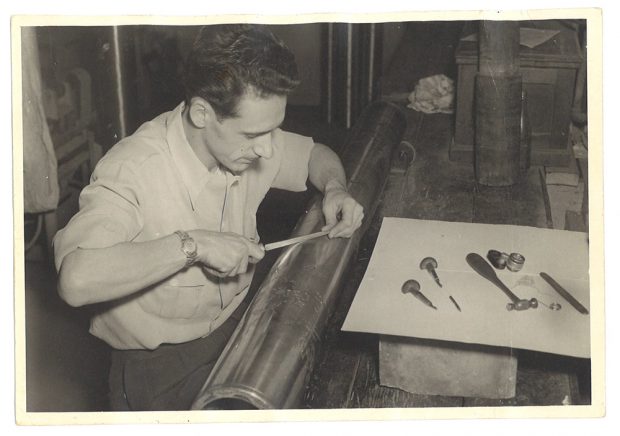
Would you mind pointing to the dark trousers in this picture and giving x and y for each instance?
(169, 377)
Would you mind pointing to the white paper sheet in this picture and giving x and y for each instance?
(380, 306)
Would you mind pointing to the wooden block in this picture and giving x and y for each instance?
(564, 198)
(574, 221)
(568, 176)
(562, 178)
(447, 368)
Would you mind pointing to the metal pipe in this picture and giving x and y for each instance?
(498, 105)
(330, 70)
(118, 74)
(268, 360)
(371, 61)
(349, 83)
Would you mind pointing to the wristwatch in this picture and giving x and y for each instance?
(188, 246)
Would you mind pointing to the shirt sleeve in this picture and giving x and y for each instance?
(109, 211)
(294, 153)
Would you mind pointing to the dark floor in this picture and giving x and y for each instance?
(67, 368)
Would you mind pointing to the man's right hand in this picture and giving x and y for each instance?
(226, 254)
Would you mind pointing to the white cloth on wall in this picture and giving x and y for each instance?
(41, 189)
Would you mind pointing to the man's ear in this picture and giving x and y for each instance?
(201, 112)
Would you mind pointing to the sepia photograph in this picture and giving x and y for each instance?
(308, 217)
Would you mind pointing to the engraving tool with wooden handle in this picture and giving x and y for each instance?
(413, 287)
(483, 268)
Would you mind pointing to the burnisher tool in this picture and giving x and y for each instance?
(564, 293)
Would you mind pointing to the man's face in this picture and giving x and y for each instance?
(238, 142)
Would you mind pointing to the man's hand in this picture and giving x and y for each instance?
(226, 254)
(343, 215)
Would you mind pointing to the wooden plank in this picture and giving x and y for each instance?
(582, 164)
(507, 205)
(527, 201)
(562, 108)
(437, 188)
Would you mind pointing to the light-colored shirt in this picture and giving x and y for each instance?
(151, 184)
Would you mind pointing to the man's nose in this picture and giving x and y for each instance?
(262, 146)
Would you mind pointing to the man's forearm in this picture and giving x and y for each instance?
(343, 215)
(325, 170)
(95, 275)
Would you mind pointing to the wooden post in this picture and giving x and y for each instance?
(498, 104)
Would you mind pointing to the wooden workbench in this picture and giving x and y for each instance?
(346, 373)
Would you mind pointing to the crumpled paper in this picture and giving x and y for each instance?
(432, 95)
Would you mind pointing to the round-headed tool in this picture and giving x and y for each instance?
(413, 287)
(429, 264)
(481, 266)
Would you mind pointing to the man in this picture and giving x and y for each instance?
(165, 241)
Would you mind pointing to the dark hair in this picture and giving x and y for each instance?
(226, 61)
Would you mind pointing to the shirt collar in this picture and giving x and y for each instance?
(192, 171)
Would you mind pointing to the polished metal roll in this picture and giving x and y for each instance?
(269, 358)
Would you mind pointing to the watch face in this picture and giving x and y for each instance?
(189, 247)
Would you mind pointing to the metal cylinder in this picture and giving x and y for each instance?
(498, 104)
(499, 48)
(269, 358)
(498, 130)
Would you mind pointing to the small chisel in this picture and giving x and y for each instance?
(455, 303)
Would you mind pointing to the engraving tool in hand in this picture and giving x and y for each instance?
(295, 240)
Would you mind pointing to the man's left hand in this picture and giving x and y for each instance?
(343, 215)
